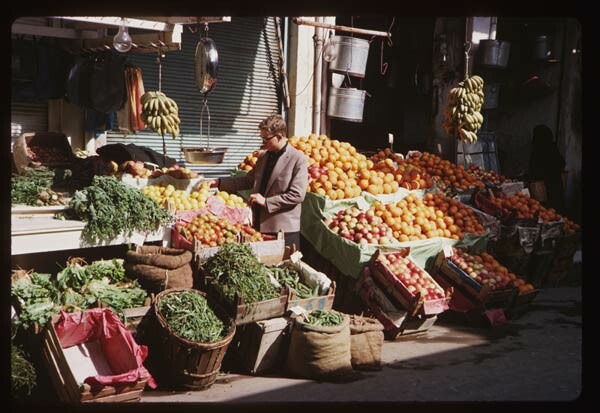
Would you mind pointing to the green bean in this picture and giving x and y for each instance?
(325, 318)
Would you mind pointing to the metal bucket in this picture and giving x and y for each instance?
(490, 92)
(494, 53)
(349, 55)
(346, 104)
(203, 156)
(540, 48)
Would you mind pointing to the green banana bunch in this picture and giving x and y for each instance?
(462, 117)
(160, 113)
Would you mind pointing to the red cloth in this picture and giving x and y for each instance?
(124, 356)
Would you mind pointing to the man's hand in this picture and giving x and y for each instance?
(257, 199)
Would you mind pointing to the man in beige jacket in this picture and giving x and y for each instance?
(278, 181)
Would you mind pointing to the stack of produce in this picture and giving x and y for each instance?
(386, 154)
(77, 287)
(450, 174)
(324, 318)
(456, 213)
(488, 176)
(409, 219)
(46, 154)
(462, 117)
(290, 278)
(415, 279)
(528, 208)
(33, 188)
(343, 163)
(484, 269)
(236, 270)
(188, 315)
(175, 171)
(405, 175)
(212, 231)
(22, 373)
(111, 208)
(231, 199)
(249, 162)
(362, 227)
(181, 200)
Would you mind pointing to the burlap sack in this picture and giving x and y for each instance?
(317, 352)
(163, 257)
(155, 279)
(366, 341)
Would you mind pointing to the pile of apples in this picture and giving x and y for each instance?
(457, 215)
(362, 227)
(415, 279)
(484, 269)
(175, 171)
(450, 174)
(249, 162)
(487, 176)
(523, 286)
(133, 168)
(212, 231)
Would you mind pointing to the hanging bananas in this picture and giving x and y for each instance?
(462, 117)
(160, 113)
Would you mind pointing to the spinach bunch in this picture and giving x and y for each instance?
(116, 296)
(37, 296)
(111, 208)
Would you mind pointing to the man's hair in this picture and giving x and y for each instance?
(274, 124)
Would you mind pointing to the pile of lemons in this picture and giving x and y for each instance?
(231, 199)
(181, 200)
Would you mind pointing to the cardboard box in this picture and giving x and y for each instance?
(261, 346)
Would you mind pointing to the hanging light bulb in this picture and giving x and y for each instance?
(122, 40)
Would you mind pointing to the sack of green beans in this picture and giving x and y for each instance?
(320, 347)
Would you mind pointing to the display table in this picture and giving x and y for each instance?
(31, 233)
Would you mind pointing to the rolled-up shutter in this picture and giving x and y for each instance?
(246, 91)
(28, 117)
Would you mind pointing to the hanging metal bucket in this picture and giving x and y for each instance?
(346, 104)
(494, 53)
(348, 54)
(491, 92)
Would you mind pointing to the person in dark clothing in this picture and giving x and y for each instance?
(547, 164)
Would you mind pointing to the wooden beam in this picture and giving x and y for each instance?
(59, 32)
(118, 21)
(336, 27)
(142, 43)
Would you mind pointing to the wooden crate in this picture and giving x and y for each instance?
(457, 278)
(268, 252)
(133, 317)
(244, 313)
(413, 303)
(260, 346)
(62, 375)
(323, 302)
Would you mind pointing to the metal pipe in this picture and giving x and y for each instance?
(317, 23)
(317, 72)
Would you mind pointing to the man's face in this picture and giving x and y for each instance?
(270, 142)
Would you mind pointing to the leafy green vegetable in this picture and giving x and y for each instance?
(23, 375)
(237, 269)
(110, 208)
(33, 188)
(189, 316)
(37, 296)
(113, 269)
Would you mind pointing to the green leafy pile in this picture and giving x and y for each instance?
(22, 372)
(33, 188)
(237, 270)
(111, 208)
(76, 288)
(189, 316)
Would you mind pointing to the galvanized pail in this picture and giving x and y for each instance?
(346, 104)
(349, 55)
(494, 53)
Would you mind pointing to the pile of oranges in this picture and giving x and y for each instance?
(460, 216)
(249, 162)
(406, 175)
(450, 174)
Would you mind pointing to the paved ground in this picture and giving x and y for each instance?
(535, 358)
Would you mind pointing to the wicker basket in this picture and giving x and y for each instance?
(192, 364)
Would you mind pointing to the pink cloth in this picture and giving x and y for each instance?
(124, 356)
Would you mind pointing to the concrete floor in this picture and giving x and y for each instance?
(537, 357)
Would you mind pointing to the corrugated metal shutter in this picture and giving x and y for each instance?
(245, 94)
(28, 117)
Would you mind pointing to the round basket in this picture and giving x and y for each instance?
(193, 365)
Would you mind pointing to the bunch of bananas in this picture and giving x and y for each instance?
(462, 118)
(160, 113)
